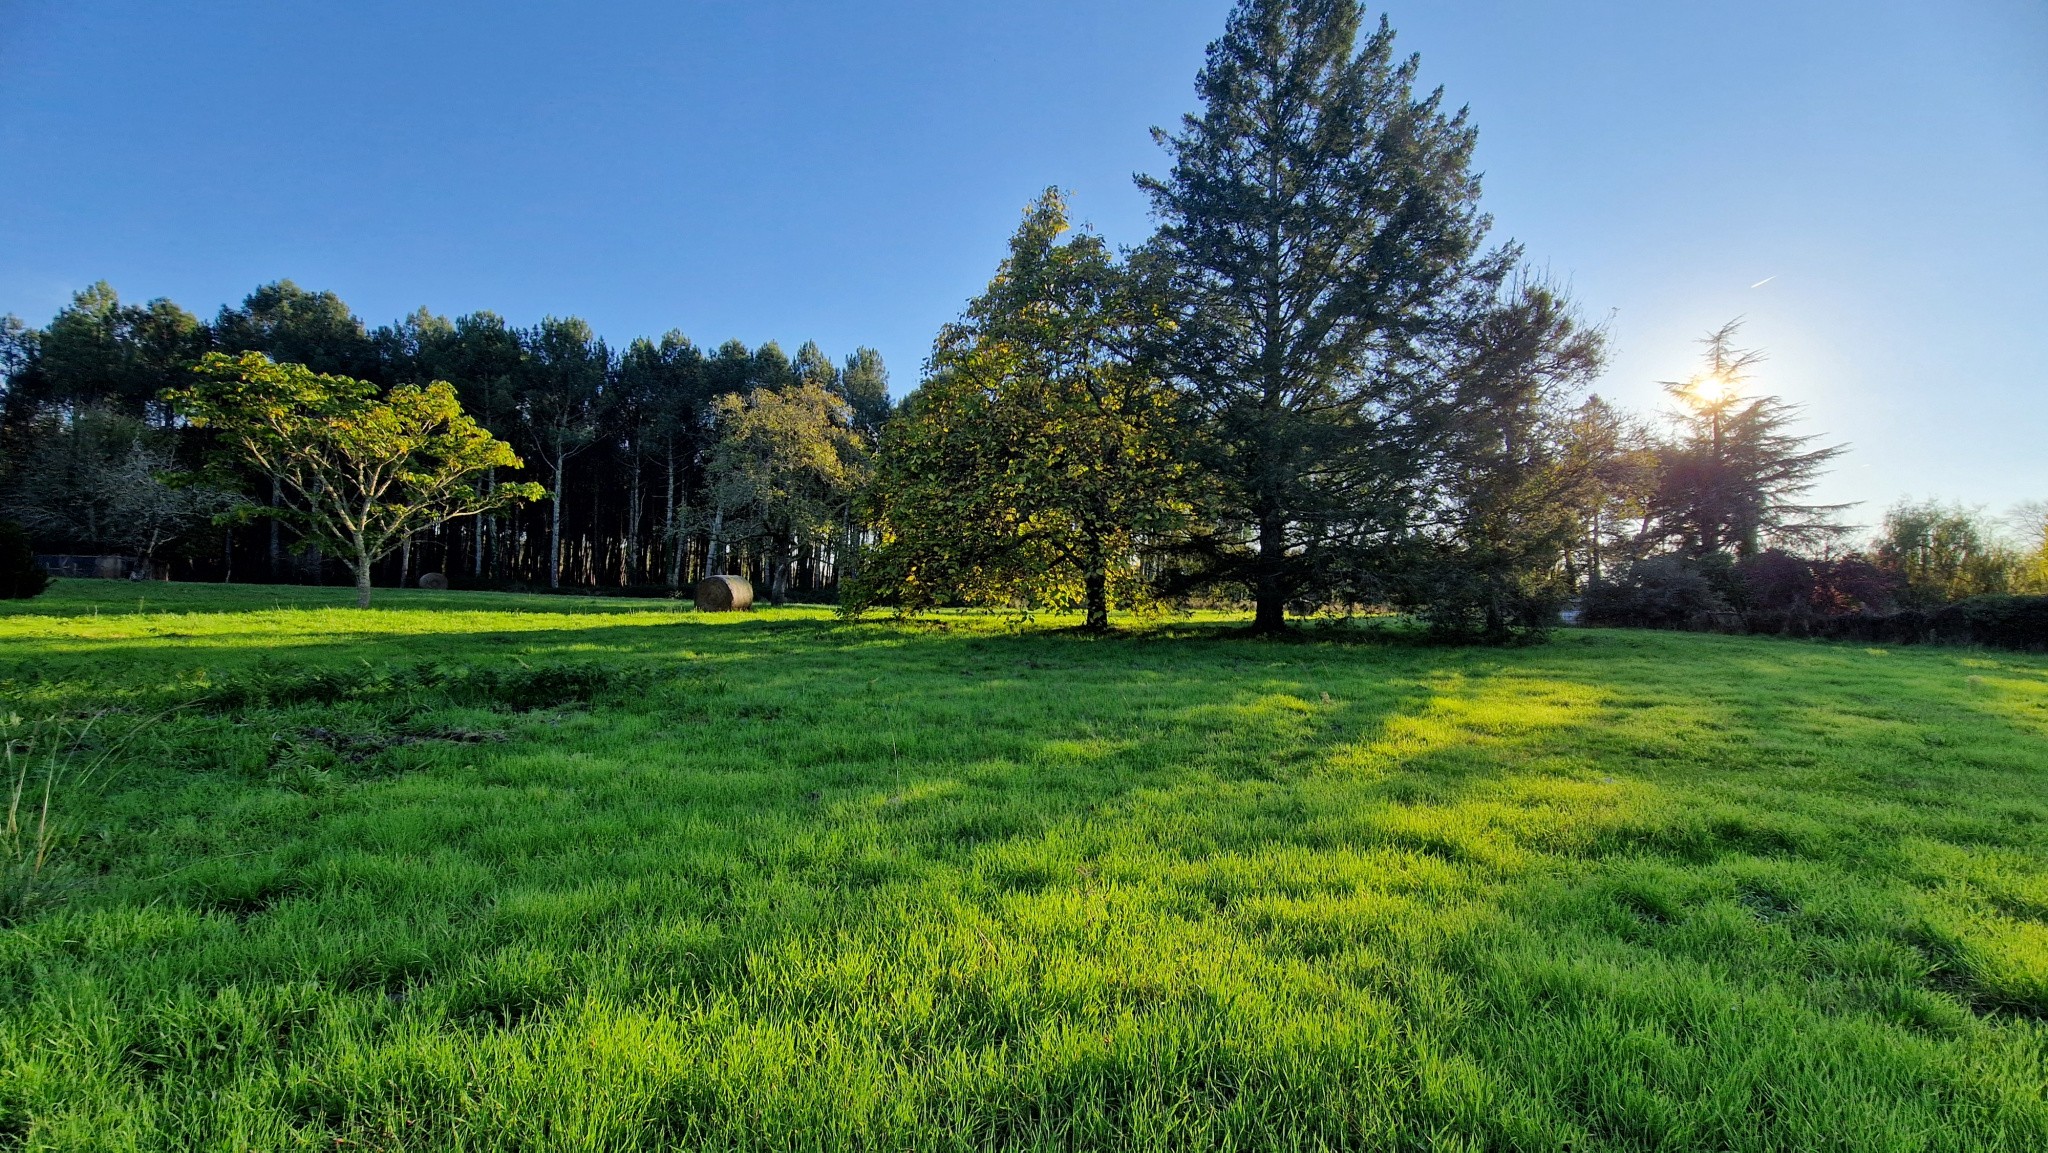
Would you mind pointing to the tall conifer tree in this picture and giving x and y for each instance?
(1320, 229)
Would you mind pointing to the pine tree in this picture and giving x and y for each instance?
(1321, 233)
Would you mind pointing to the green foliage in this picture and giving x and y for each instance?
(1515, 477)
(20, 577)
(98, 352)
(1322, 243)
(291, 325)
(783, 472)
(797, 883)
(1660, 592)
(356, 469)
(864, 385)
(1040, 452)
(1944, 552)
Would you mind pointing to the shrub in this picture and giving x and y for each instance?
(1777, 592)
(20, 576)
(1661, 592)
(2005, 622)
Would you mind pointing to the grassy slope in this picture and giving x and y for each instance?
(794, 884)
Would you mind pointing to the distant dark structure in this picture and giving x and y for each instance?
(724, 594)
(434, 582)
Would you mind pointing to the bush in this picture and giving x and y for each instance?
(20, 576)
(1662, 592)
(2005, 622)
(1777, 592)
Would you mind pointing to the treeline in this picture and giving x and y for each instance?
(631, 443)
(1320, 385)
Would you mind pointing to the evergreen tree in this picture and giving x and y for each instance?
(293, 326)
(1500, 508)
(1730, 480)
(864, 385)
(770, 368)
(98, 352)
(1321, 235)
(813, 368)
(560, 403)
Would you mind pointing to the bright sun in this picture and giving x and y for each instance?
(1711, 389)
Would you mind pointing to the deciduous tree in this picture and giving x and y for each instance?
(1029, 468)
(359, 470)
(783, 472)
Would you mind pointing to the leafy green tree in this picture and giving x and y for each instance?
(1945, 552)
(1321, 236)
(359, 470)
(1032, 465)
(1731, 478)
(2029, 519)
(783, 472)
(561, 406)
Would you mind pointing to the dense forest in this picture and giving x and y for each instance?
(627, 440)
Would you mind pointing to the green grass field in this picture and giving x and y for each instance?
(472, 871)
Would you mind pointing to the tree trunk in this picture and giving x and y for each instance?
(668, 528)
(1271, 592)
(629, 565)
(1098, 601)
(555, 527)
(778, 580)
(275, 556)
(362, 567)
(483, 523)
(405, 560)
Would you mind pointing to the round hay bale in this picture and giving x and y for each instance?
(434, 581)
(724, 594)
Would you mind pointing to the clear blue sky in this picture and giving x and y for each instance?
(849, 173)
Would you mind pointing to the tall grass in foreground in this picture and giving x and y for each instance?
(494, 872)
(43, 773)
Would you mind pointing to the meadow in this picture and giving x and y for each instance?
(479, 871)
